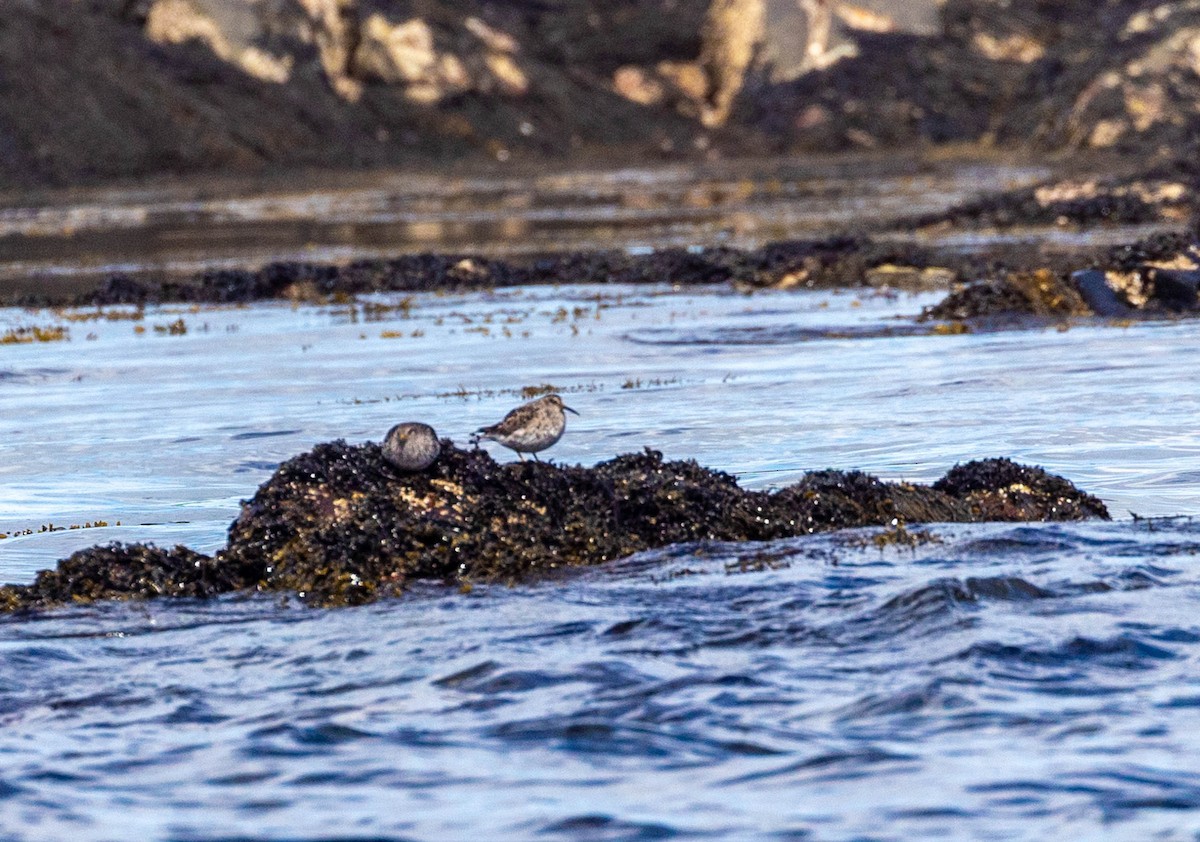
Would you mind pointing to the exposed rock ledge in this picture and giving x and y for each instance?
(338, 525)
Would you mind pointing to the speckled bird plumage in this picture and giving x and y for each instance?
(531, 427)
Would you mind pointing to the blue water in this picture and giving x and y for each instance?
(1011, 682)
(1001, 682)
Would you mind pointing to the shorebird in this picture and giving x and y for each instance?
(530, 427)
(411, 446)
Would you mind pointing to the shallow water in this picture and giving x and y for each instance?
(1004, 682)
(69, 240)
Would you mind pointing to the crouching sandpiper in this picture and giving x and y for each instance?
(412, 446)
(531, 427)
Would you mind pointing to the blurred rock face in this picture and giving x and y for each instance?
(1151, 89)
(804, 35)
(778, 40)
(732, 34)
(120, 88)
(350, 45)
(355, 45)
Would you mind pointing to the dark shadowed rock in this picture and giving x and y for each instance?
(121, 289)
(1098, 295)
(1176, 289)
(982, 298)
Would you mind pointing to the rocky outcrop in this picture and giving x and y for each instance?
(404, 54)
(1112, 74)
(1147, 89)
(347, 43)
(732, 34)
(183, 21)
(140, 86)
(339, 525)
(1157, 277)
(134, 87)
(803, 264)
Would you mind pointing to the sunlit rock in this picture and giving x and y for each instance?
(228, 29)
(330, 25)
(181, 21)
(732, 32)
(396, 53)
(1019, 48)
(507, 75)
(636, 85)
(492, 39)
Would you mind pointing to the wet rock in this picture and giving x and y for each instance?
(1098, 295)
(1000, 489)
(339, 525)
(230, 285)
(1040, 293)
(1131, 287)
(1049, 294)
(1176, 289)
(1158, 249)
(1161, 272)
(982, 298)
(1156, 275)
(134, 571)
(1080, 203)
(120, 289)
(837, 261)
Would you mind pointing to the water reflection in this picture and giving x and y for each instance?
(180, 229)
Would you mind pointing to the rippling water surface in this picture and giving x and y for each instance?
(999, 681)
(1010, 682)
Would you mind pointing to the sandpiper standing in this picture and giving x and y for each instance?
(530, 427)
(412, 446)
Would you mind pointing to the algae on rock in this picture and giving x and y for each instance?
(339, 525)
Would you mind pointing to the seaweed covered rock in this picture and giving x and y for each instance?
(339, 525)
(1128, 201)
(1041, 293)
(118, 571)
(1160, 275)
(1000, 489)
(977, 300)
(835, 261)
(343, 525)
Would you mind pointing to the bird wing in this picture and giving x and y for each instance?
(515, 419)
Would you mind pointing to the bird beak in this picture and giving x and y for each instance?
(568, 409)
